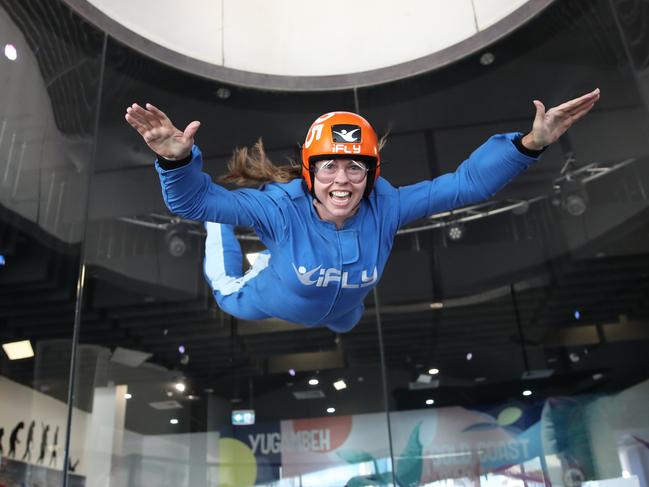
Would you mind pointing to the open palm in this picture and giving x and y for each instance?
(549, 126)
(159, 133)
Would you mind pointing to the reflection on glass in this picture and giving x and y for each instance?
(50, 72)
(549, 296)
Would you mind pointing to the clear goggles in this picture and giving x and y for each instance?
(327, 170)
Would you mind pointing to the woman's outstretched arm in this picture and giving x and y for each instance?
(492, 165)
(188, 191)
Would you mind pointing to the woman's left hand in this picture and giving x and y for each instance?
(549, 126)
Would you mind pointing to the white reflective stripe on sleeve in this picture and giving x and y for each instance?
(214, 266)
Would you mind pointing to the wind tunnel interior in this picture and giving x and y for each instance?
(505, 342)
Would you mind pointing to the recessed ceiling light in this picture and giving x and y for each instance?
(181, 349)
(469, 356)
(527, 392)
(173, 421)
(180, 386)
(128, 395)
(331, 410)
(430, 401)
(291, 372)
(10, 52)
(18, 350)
(340, 384)
(313, 382)
(433, 371)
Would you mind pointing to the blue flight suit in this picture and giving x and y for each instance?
(313, 273)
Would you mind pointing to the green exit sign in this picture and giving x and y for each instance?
(241, 417)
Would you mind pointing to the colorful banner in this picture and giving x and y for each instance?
(428, 444)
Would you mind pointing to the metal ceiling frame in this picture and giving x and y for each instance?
(583, 174)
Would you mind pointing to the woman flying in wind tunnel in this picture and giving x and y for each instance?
(329, 230)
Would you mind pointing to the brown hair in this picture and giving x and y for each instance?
(252, 168)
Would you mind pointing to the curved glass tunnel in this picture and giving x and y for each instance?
(506, 344)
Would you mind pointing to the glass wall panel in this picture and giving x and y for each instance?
(516, 329)
(170, 380)
(513, 332)
(50, 71)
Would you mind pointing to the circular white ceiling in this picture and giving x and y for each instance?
(298, 45)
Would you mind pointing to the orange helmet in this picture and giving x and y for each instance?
(341, 135)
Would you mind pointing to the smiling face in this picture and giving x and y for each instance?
(338, 200)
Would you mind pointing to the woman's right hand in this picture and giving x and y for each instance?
(159, 133)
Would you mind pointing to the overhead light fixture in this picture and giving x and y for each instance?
(433, 371)
(577, 314)
(331, 410)
(177, 239)
(487, 58)
(128, 395)
(181, 349)
(455, 231)
(291, 372)
(527, 392)
(2, 260)
(10, 52)
(522, 208)
(18, 350)
(571, 195)
(173, 421)
(469, 356)
(430, 402)
(223, 93)
(314, 382)
(436, 305)
(340, 385)
(180, 386)
(598, 376)
(424, 379)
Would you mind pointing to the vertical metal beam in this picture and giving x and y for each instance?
(384, 379)
(82, 273)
